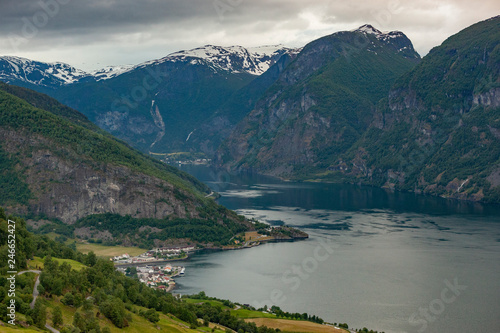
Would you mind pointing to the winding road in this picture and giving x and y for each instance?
(35, 295)
(35, 288)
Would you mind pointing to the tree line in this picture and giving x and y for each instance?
(96, 287)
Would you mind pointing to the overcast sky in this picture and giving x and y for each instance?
(91, 34)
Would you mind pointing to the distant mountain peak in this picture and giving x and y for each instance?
(395, 38)
(109, 72)
(40, 73)
(369, 29)
(235, 59)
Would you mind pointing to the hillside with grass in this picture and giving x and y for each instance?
(58, 171)
(49, 104)
(84, 293)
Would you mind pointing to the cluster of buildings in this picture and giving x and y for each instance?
(187, 161)
(156, 254)
(160, 277)
(172, 251)
(156, 276)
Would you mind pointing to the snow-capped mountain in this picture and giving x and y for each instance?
(390, 37)
(368, 29)
(235, 59)
(110, 72)
(21, 70)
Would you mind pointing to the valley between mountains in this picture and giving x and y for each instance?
(356, 106)
(86, 161)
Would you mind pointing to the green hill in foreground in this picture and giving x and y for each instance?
(83, 293)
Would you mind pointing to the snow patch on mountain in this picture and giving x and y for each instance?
(235, 59)
(39, 73)
(369, 29)
(394, 37)
(109, 72)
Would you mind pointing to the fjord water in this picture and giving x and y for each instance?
(389, 261)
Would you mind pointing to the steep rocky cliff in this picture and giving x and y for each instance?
(53, 168)
(68, 188)
(438, 131)
(320, 105)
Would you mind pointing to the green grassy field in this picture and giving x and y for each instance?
(37, 263)
(295, 326)
(270, 320)
(108, 251)
(240, 313)
(99, 249)
(9, 329)
(138, 324)
(211, 302)
(244, 314)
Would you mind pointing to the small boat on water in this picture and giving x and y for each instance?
(182, 271)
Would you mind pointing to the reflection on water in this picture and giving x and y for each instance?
(375, 258)
(273, 192)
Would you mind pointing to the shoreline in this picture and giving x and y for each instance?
(211, 249)
(455, 199)
(133, 264)
(188, 254)
(172, 286)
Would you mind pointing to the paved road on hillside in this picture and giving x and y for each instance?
(35, 295)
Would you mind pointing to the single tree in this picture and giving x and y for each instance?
(57, 318)
(91, 259)
(78, 321)
(39, 314)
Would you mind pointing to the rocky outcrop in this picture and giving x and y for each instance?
(438, 132)
(491, 98)
(320, 104)
(67, 187)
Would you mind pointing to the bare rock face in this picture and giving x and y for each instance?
(320, 104)
(67, 187)
(438, 131)
(490, 98)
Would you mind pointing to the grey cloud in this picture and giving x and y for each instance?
(140, 28)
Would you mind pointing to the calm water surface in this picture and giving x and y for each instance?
(393, 262)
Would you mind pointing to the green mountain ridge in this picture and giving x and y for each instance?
(44, 102)
(354, 108)
(55, 169)
(320, 105)
(438, 131)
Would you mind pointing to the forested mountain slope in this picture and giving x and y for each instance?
(52, 168)
(320, 105)
(438, 130)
